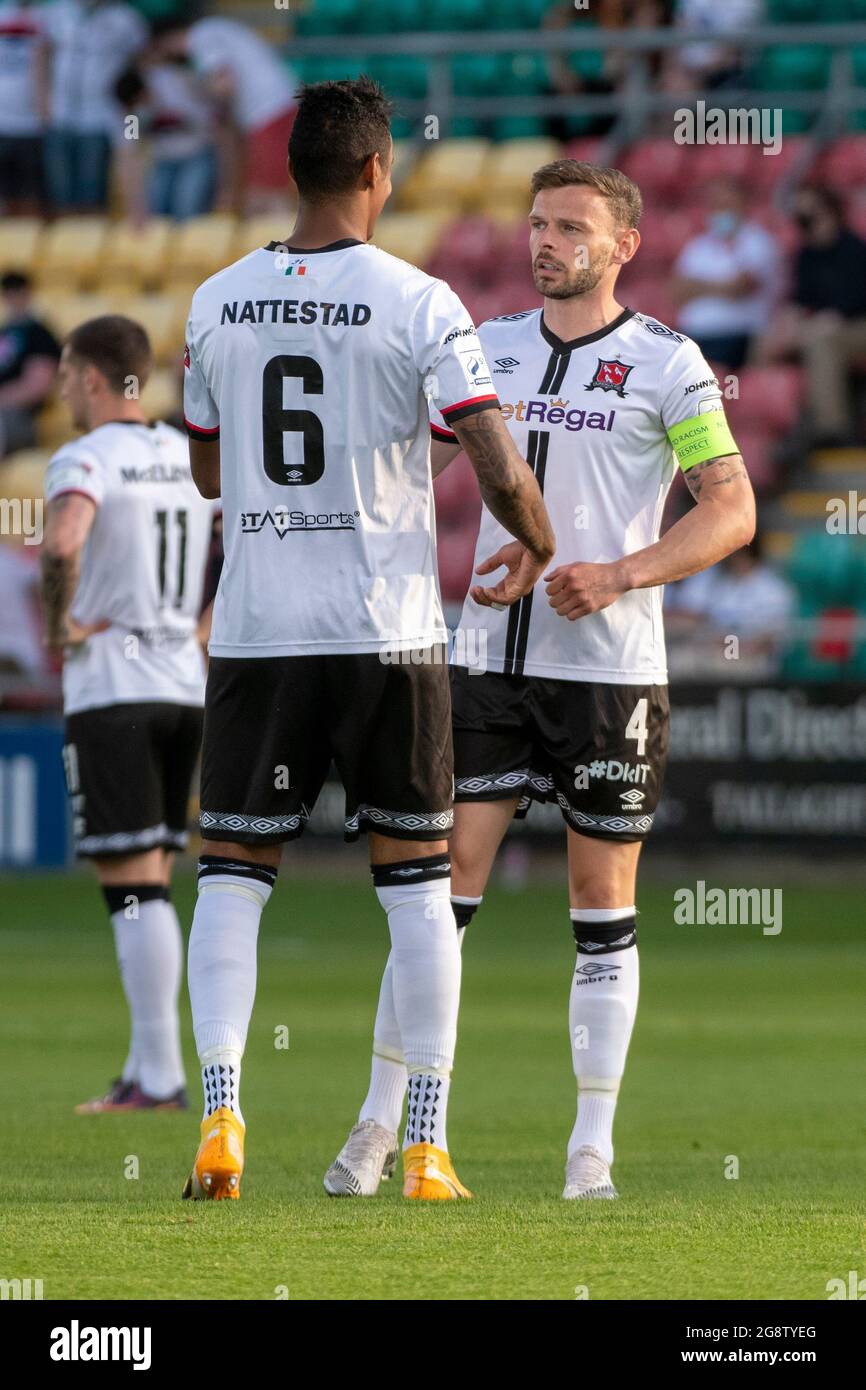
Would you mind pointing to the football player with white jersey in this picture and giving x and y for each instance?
(308, 363)
(126, 542)
(563, 697)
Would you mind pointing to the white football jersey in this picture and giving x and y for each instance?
(142, 567)
(311, 367)
(598, 419)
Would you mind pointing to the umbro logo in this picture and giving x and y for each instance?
(594, 967)
(632, 798)
(507, 362)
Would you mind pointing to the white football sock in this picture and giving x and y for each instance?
(384, 1099)
(150, 950)
(425, 964)
(602, 1008)
(388, 1075)
(222, 970)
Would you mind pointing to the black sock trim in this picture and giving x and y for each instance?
(464, 912)
(604, 938)
(116, 894)
(209, 864)
(421, 870)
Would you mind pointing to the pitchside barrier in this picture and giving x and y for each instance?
(750, 763)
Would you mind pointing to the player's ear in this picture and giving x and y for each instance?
(627, 246)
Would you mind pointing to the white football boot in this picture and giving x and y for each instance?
(588, 1175)
(368, 1157)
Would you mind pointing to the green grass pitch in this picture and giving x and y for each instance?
(745, 1045)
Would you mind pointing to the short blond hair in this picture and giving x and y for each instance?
(624, 196)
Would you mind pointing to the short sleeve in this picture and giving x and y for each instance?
(450, 360)
(200, 413)
(74, 469)
(692, 409)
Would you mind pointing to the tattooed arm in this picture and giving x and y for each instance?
(722, 521)
(511, 493)
(69, 518)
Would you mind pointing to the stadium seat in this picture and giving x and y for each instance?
(136, 255)
(410, 235)
(53, 424)
(659, 166)
(157, 313)
(201, 246)
(586, 150)
(509, 168)
(757, 445)
(769, 396)
(458, 501)
(162, 396)
(843, 165)
(448, 176)
(472, 243)
(63, 312)
(708, 162)
(19, 243)
(24, 475)
(71, 252)
(262, 230)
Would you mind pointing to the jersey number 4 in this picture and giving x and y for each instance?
(277, 422)
(636, 727)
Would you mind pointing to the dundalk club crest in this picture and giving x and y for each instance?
(610, 376)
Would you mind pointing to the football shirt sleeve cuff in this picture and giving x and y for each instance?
(200, 432)
(461, 409)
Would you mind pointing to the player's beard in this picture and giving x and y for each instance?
(581, 280)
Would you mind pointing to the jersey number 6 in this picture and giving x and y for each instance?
(277, 422)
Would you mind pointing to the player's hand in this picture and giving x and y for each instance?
(523, 573)
(576, 590)
(73, 634)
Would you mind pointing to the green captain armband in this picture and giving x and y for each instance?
(701, 438)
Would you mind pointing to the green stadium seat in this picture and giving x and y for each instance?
(330, 17)
(791, 67)
(796, 11)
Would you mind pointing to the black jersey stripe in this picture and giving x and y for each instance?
(516, 609)
(549, 373)
(522, 637)
(559, 375)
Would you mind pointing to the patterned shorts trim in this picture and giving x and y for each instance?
(127, 842)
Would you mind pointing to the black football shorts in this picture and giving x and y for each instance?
(129, 769)
(273, 725)
(598, 750)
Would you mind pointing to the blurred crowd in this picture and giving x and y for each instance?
(103, 112)
(88, 86)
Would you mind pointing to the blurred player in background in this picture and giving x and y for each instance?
(305, 401)
(125, 546)
(570, 703)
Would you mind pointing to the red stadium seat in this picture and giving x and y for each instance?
(756, 445)
(770, 398)
(843, 165)
(664, 234)
(659, 167)
(585, 150)
(472, 243)
(458, 501)
(710, 162)
(767, 170)
(650, 295)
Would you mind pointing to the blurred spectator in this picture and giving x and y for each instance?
(92, 42)
(715, 61)
(21, 650)
(742, 596)
(176, 177)
(23, 106)
(726, 279)
(29, 354)
(571, 74)
(255, 94)
(825, 323)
